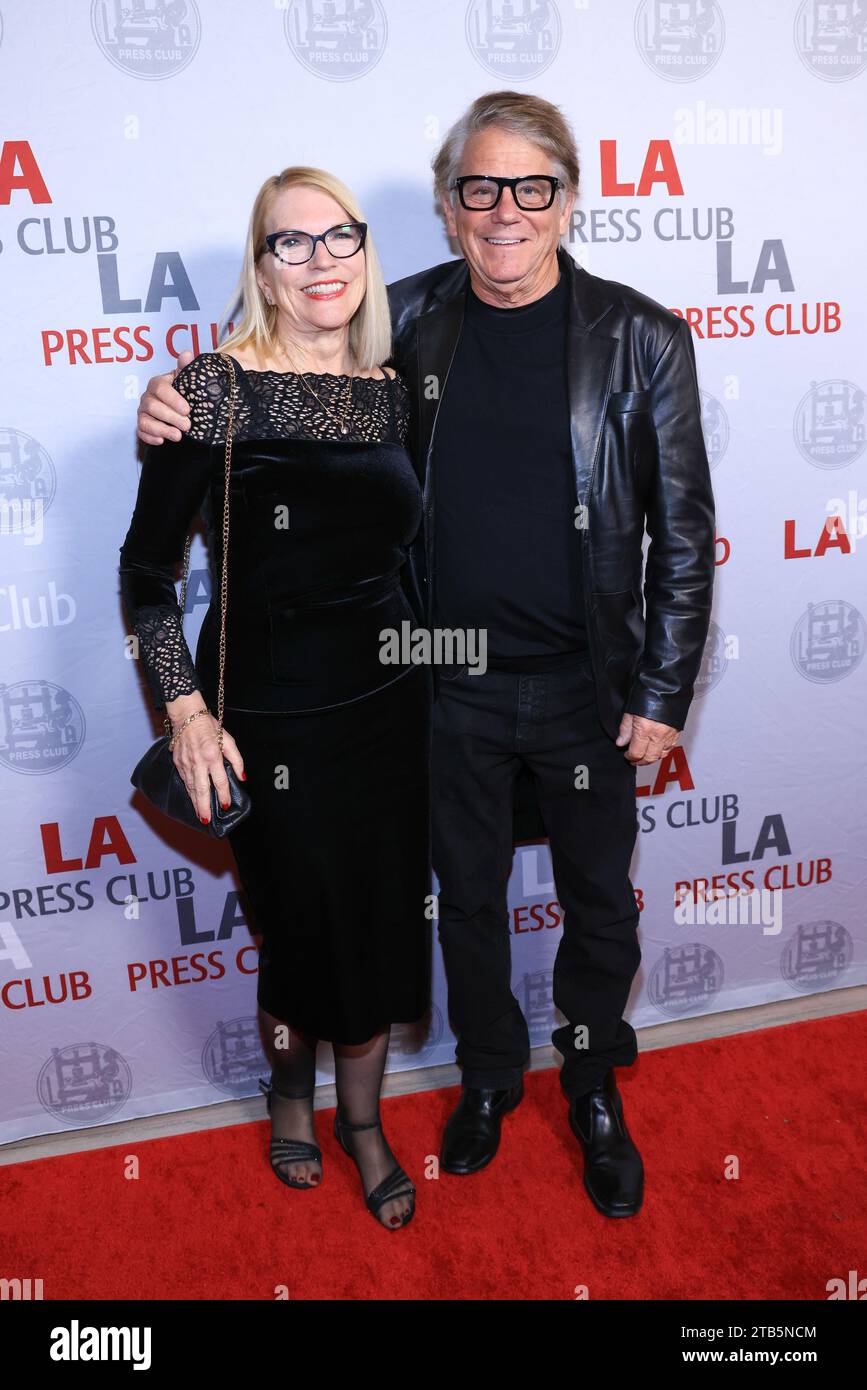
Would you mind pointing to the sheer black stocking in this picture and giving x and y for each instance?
(293, 1077)
(358, 1073)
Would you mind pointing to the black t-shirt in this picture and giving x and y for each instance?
(508, 555)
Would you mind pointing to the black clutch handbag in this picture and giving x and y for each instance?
(157, 778)
(155, 775)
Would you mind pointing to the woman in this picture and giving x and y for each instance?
(332, 743)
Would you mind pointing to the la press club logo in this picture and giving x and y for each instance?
(513, 40)
(151, 39)
(25, 469)
(42, 727)
(757, 870)
(647, 197)
(680, 40)
(828, 641)
(829, 425)
(826, 646)
(688, 978)
(84, 1084)
(339, 40)
(831, 38)
(28, 482)
(232, 1056)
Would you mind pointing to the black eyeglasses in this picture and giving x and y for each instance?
(294, 248)
(531, 192)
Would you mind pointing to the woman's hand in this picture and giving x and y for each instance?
(197, 755)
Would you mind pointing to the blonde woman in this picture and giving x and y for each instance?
(331, 741)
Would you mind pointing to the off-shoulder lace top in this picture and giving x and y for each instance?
(268, 405)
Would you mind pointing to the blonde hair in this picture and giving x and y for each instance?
(370, 325)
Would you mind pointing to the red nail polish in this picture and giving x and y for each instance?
(225, 805)
(206, 820)
(243, 776)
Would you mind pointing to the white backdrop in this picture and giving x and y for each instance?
(722, 152)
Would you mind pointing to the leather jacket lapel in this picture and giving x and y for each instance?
(438, 333)
(590, 365)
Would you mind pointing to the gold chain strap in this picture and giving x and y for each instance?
(224, 576)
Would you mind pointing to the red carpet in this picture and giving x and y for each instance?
(208, 1219)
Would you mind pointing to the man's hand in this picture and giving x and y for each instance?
(163, 413)
(647, 739)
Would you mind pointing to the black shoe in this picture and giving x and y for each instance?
(613, 1170)
(395, 1184)
(472, 1133)
(289, 1150)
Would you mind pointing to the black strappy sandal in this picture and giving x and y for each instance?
(396, 1184)
(289, 1150)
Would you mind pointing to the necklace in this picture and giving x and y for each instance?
(341, 423)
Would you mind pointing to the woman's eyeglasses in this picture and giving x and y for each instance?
(294, 248)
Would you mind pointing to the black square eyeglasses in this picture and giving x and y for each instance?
(531, 192)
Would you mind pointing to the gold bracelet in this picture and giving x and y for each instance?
(183, 724)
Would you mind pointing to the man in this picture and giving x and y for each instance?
(556, 417)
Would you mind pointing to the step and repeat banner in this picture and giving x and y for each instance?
(722, 156)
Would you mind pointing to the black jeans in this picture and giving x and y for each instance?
(484, 728)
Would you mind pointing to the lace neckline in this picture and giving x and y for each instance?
(273, 404)
(317, 376)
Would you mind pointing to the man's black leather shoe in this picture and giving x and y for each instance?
(472, 1133)
(613, 1170)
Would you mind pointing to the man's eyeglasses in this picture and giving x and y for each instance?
(294, 248)
(481, 192)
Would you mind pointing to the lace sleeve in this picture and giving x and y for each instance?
(204, 382)
(166, 659)
(172, 488)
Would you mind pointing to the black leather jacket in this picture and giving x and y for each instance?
(640, 463)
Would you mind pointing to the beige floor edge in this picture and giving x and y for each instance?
(232, 1112)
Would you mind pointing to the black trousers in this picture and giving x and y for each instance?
(485, 727)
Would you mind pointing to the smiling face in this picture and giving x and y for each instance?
(323, 293)
(512, 255)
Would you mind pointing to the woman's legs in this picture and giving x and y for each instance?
(293, 1073)
(358, 1072)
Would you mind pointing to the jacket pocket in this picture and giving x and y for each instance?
(620, 621)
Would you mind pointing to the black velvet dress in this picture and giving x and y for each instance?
(334, 857)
